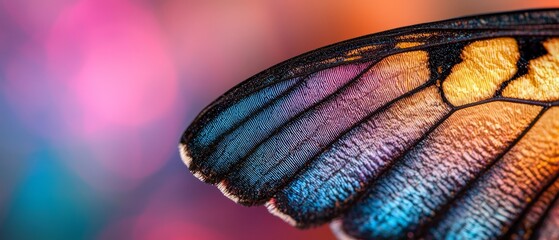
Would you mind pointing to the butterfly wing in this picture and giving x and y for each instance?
(446, 129)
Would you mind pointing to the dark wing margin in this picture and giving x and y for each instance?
(359, 129)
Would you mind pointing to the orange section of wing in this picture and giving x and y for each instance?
(542, 81)
(408, 44)
(486, 65)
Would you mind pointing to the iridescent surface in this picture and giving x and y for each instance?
(233, 145)
(279, 157)
(244, 108)
(433, 172)
(338, 174)
(521, 173)
(433, 137)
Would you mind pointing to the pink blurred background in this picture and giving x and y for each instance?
(95, 94)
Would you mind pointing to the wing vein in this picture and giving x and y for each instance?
(220, 138)
(530, 204)
(540, 222)
(438, 215)
(377, 111)
(238, 164)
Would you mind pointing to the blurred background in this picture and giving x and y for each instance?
(96, 93)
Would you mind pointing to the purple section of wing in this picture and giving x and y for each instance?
(526, 225)
(497, 199)
(343, 171)
(549, 228)
(434, 171)
(237, 144)
(279, 157)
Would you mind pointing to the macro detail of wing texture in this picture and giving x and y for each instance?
(540, 83)
(338, 174)
(522, 172)
(447, 130)
(485, 65)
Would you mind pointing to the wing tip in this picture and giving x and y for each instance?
(338, 230)
(274, 210)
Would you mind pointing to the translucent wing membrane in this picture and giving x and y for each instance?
(444, 130)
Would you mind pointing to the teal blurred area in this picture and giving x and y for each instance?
(96, 93)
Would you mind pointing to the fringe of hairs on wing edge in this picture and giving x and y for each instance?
(338, 230)
(187, 160)
(222, 186)
(271, 206)
(336, 225)
(185, 154)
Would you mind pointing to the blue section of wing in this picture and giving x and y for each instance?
(233, 115)
(260, 125)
